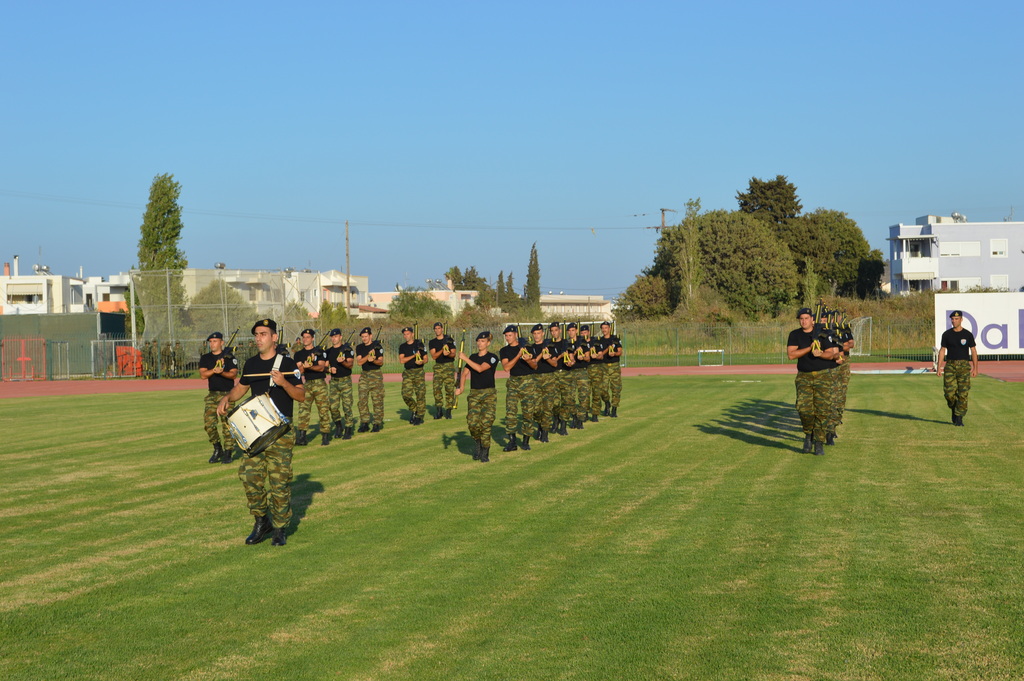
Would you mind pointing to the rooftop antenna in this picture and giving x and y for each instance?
(1009, 218)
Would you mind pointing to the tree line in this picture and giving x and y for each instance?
(755, 261)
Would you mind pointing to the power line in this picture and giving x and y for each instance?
(313, 220)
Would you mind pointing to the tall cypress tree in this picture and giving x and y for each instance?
(531, 292)
(160, 289)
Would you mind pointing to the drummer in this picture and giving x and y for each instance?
(266, 477)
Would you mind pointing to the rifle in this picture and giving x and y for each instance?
(419, 348)
(232, 340)
(458, 368)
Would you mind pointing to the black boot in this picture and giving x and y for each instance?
(808, 444)
(280, 537)
(376, 427)
(218, 452)
(348, 433)
(593, 417)
(615, 412)
(438, 413)
(830, 438)
(339, 429)
(476, 450)
(364, 427)
(606, 408)
(485, 450)
(958, 420)
(447, 413)
(512, 445)
(525, 444)
(542, 436)
(561, 428)
(819, 449)
(952, 413)
(300, 438)
(260, 530)
(325, 439)
(228, 454)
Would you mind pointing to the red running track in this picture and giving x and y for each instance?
(1005, 371)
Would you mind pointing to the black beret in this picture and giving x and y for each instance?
(484, 334)
(956, 313)
(570, 325)
(511, 328)
(406, 328)
(311, 332)
(334, 332)
(366, 329)
(437, 324)
(803, 311)
(269, 323)
(537, 327)
(215, 334)
(554, 325)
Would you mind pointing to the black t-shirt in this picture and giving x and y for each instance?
(478, 380)
(958, 344)
(363, 350)
(216, 382)
(556, 348)
(439, 343)
(520, 368)
(809, 362)
(308, 358)
(591, 347)
(612, 342)
(413, 348)
(537, 350)
(337, 355)
(261, 384)
(580, 349)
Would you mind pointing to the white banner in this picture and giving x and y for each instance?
(995, 319)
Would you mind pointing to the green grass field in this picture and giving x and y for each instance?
(687, 539)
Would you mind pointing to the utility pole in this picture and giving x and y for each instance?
(663, 211)
(348, 276)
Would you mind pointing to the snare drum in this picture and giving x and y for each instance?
(257, 423)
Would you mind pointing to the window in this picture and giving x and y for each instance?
(1000, 281)
(950, 285)
(999, 247)
(960, 249)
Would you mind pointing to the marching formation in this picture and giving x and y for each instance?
(558, 380)
(821, 347)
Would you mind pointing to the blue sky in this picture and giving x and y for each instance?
(459, 133)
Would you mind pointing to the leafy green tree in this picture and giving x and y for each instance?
(869, 274)
(158, 252)
(531, 292)
(332, 315)
(416, 305)
(645, 298)
(832, 243)
(677, 258)
(775, 200)
(745, 264)
(219, 307)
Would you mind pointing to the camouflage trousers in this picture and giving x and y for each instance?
(316, 391)
(480, 407)
(956, 383)
(565, 405)
(266, 479)
(613, 382)
(520, 392)
(545, 405)
(814, 391)
(217, 429)
(414, 390)
(598, 387)
(842, 373)
(579, 390)
(371, 391)
(340, 388)
(444, 385)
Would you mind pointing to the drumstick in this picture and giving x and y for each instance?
(297, 373)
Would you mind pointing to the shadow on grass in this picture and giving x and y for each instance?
(461, 441)
(303, 491)
(894, 415)
(764, 423)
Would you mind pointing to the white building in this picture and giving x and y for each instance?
(950, 254)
